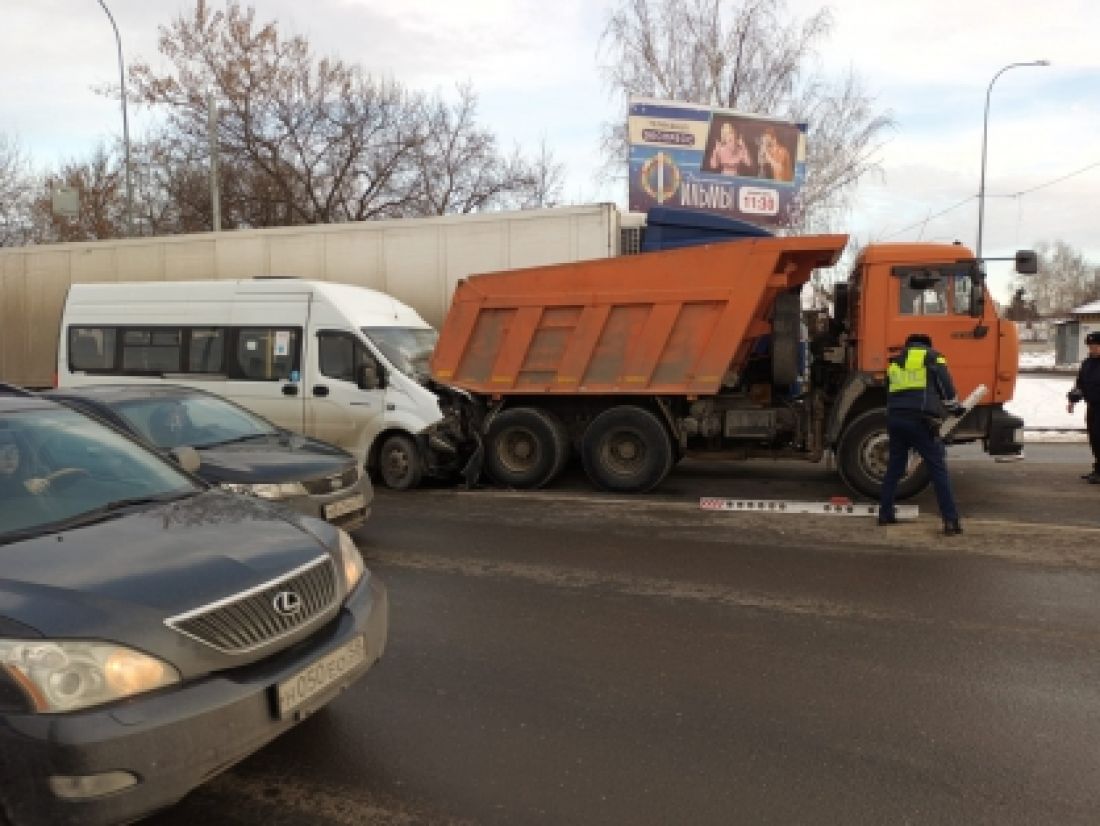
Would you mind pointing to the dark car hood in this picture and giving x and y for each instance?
(121, 578)
(272, 459)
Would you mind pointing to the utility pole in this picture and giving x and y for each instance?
(985, 135)
(125, 124)
(215, 194)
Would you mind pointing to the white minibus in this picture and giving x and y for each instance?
(344, 364)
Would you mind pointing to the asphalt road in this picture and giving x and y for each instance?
(567, 657)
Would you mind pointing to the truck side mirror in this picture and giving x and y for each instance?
(371, 376)
(1027, 262)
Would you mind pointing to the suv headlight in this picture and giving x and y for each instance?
(67, 676)
(272, 491)
(350, 560)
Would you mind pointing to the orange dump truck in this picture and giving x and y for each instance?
(638, 361)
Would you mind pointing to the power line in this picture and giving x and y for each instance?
(1049, 183)
(915, 224)
(970, 198)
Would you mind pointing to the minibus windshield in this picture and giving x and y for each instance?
(408, 349)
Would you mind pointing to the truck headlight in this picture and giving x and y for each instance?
(273, 491)
(61, 676)
(351, 561)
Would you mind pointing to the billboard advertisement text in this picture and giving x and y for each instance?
(719, 160)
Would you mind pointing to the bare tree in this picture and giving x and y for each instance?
(303, 139)
(749, 55)
(547, 180)
(1065, 279)
(100, 185)
(461, 169)
(16, 188)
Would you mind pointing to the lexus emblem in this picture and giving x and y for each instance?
(287, 603)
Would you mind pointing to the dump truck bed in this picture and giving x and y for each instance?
(669, 323)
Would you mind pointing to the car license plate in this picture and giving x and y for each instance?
(295, 692)
(345, 506)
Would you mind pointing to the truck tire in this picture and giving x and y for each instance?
(863, 452)
(399, 463)
(563, 443)
(525, 448)
(626, 449)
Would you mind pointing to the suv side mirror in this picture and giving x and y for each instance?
(187, 458)
(371, 376)
(1027, 262)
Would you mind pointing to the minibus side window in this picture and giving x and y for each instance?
(206, 350)
(340, 355)
(91, 348)
(266, 354)
(151, 351)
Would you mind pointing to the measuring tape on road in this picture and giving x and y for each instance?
(836, 507)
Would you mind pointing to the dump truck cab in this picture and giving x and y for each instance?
(937, 289)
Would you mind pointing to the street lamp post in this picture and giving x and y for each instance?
(125, 124)
(985, 135)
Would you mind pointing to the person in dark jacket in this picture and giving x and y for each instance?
(920, 390)
(1087, 389)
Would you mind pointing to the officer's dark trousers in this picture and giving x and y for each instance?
(1092, 421)
(912, 433)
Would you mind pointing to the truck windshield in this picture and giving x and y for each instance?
(59, 466)
(408, 349)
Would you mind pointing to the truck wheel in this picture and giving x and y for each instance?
(563, 443)
(525, 448)
(626, 449)
(863, 452)
(399, 463)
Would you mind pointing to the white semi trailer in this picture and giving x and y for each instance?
(418, 261)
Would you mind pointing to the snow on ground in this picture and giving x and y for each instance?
(1041, 402)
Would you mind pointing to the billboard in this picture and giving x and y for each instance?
(719, 160)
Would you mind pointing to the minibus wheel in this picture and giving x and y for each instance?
(399, 463)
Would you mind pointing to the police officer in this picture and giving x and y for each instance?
(919, 390)
(1087, 389)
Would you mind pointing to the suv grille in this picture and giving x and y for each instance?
(334, 482)
(262, 615)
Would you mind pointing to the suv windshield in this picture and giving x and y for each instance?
(192, 421)
(408, 349)
(57, 465)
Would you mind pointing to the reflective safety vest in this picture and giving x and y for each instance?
(912, 374)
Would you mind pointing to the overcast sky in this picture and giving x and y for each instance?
(535, 66)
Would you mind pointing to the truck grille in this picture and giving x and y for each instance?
(334, 482)
(265, 614)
